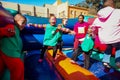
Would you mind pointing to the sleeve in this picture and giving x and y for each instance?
(75, 29)
(86, 28)
(95, 26)
(7, 31)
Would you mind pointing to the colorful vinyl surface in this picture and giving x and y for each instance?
(5, 17)
(68, 70)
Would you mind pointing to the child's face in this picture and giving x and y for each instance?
(20, 21)
(80, 19)
(65, 22)
(52, 20)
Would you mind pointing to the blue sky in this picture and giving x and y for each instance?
(42, 2)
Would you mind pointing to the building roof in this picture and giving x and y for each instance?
(76, 7)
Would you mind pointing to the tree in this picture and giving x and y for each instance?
(96, 5)
(99, 3)
(82, 4)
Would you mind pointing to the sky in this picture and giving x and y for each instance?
(41, 2)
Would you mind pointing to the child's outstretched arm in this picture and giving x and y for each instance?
(37, 25)
(65, 29)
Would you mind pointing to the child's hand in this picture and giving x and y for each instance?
(10, 30)
(59, 26)
(72, 32)
(44, 25)
(7, 31)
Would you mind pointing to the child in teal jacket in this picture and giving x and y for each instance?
(11, 49)
(53, 35)
(50, 38)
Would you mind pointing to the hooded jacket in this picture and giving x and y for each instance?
(108, 23)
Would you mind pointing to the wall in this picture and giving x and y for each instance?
(52, 9)
(41, 11)
(75, 11)
(27, 9)
(62, 10)
(10, 5)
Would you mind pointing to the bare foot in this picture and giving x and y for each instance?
(72, 61)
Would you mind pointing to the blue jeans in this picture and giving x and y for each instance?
(108, 52)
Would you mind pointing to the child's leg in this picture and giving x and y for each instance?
(55, 51)
(44, 48)
(117, 54)
(61, 45)
(15, 66)
(107, 53)
(76, 43)
(87, 59)
(2, 66)
(76, 53)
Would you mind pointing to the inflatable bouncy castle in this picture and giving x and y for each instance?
(62, 68)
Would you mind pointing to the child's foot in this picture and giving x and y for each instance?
(40, 60)
(106, 65)
(72, 61)
(55, 58)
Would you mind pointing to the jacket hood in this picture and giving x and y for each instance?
(104, 13)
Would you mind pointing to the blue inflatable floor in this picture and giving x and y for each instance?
(39, 71)
(97, 68)
(43, 71)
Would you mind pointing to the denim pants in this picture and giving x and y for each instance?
(108, 51)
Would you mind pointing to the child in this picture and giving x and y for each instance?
(63, 24)
(53, 35)
(10, 51)
(80, 29)
(63, 30)
(86, 54)
(50, 38)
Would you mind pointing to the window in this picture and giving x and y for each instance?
(80, 12)
(72, 12)
(62, 14)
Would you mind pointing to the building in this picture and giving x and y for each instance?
(62, 10)
(75, 11)
(59, 9)
(27, 9)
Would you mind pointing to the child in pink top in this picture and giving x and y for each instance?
(80, 29)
